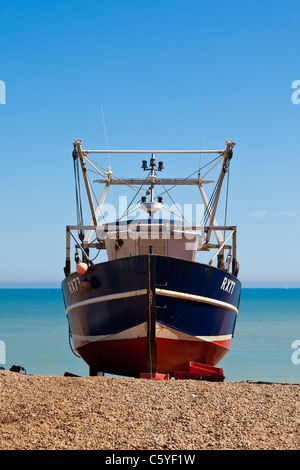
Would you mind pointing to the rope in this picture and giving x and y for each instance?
(70, 342)
(211, 202)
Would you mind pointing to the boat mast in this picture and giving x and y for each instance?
(77, 144)
(152, 176)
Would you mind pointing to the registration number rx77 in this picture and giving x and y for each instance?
(73, 285)
(228, 285)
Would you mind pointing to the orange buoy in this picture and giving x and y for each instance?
(82, 268)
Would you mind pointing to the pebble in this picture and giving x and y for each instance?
(112, 413)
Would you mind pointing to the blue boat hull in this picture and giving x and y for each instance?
(151, 313)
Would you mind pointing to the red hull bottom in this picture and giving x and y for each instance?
(127, 357)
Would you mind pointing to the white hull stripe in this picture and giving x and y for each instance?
(162, 331)
(139, 331)
(197, 298)
(168, 293)
(166, 332)
(105, 298)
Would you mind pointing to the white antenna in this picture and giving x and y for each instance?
(105, 138)
(202, 131)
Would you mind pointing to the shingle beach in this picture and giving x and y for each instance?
(107, 413)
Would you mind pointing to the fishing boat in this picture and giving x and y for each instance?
(165, 298)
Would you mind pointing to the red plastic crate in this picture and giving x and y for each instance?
(154, 375)
(201, 372)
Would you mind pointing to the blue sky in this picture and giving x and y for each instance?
(149, 64)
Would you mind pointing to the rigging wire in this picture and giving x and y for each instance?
(92, 189)
(105, 138)
(126, 211)
(96, 256)
(202, 132)
(197, 171)
(181, 215)
(89, 160)
(138, 190)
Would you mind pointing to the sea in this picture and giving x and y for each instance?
(265, 347)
